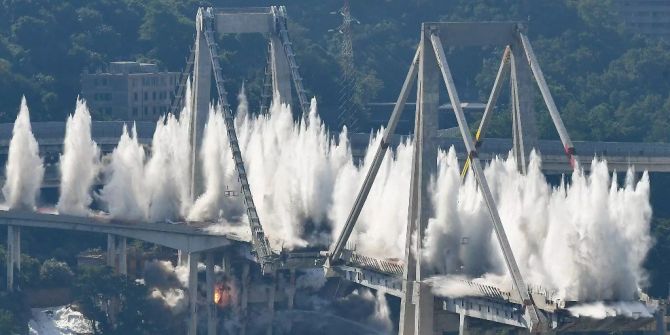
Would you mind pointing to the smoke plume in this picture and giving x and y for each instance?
(79, 163)
(24, 171)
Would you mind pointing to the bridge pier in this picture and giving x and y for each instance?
(244, 300)
(117, 254)
(111, 250)
(193, 293)
(291, 289)
(463, 324)
(212, 319)
(281, 73)
(660, 319)
(13, 256)
(271, 305)
(123, 256)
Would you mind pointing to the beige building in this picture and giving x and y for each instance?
(647, 17)
(129, 91)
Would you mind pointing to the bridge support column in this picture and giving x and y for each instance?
(202, 81)
(244, 300)
(17, 248)
(660, 320)
(525, 133)
(424, 309)
(272, 290)
(193, 293)
(11, 256)
(212, 319)
(123, 256)
(424, 166)
(226, 265)
(182, 258)
(463, 325)
(111, 251)
(281, 73)
(291, 289)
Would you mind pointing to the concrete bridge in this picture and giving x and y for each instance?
(422, 312)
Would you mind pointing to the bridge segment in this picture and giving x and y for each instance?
(419, 305)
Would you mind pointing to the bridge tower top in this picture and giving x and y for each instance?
(282, 71)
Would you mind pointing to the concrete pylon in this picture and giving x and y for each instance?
(525, 135)
(281, 72)
(193, 293)
(111, 251)
(10, 258)
(17, 248)
(202, 82)
(244, 300)
(13, 255)
(123, 256)
(417, 293)
(212, 318)
(463, 324)
(272, 290)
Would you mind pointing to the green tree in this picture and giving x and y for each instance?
(55, 274)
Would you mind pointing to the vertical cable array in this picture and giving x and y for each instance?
(178, 99)
(261, 245)
(282, 30)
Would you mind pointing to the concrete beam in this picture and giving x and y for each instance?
(180, 237)
(465, 34)
(243, 20)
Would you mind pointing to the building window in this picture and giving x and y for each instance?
(154, 110)
(135, 96)
(134, 111)
(154, 96)
(146, 110)
(146, 96)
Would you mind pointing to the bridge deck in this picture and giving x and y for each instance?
(654, 157)
(188, 237)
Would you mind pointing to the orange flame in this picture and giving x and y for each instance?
(222, 295)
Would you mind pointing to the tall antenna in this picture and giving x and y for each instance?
(347, 108)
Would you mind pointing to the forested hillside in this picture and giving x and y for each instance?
(608, 83)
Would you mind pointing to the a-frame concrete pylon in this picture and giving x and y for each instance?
(429, 66)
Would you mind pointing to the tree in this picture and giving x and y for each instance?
(7, 323)
(55, 274)
(118, 305)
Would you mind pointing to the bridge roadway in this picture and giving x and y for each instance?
(653, 157)
(189, 237)
(482, 303)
